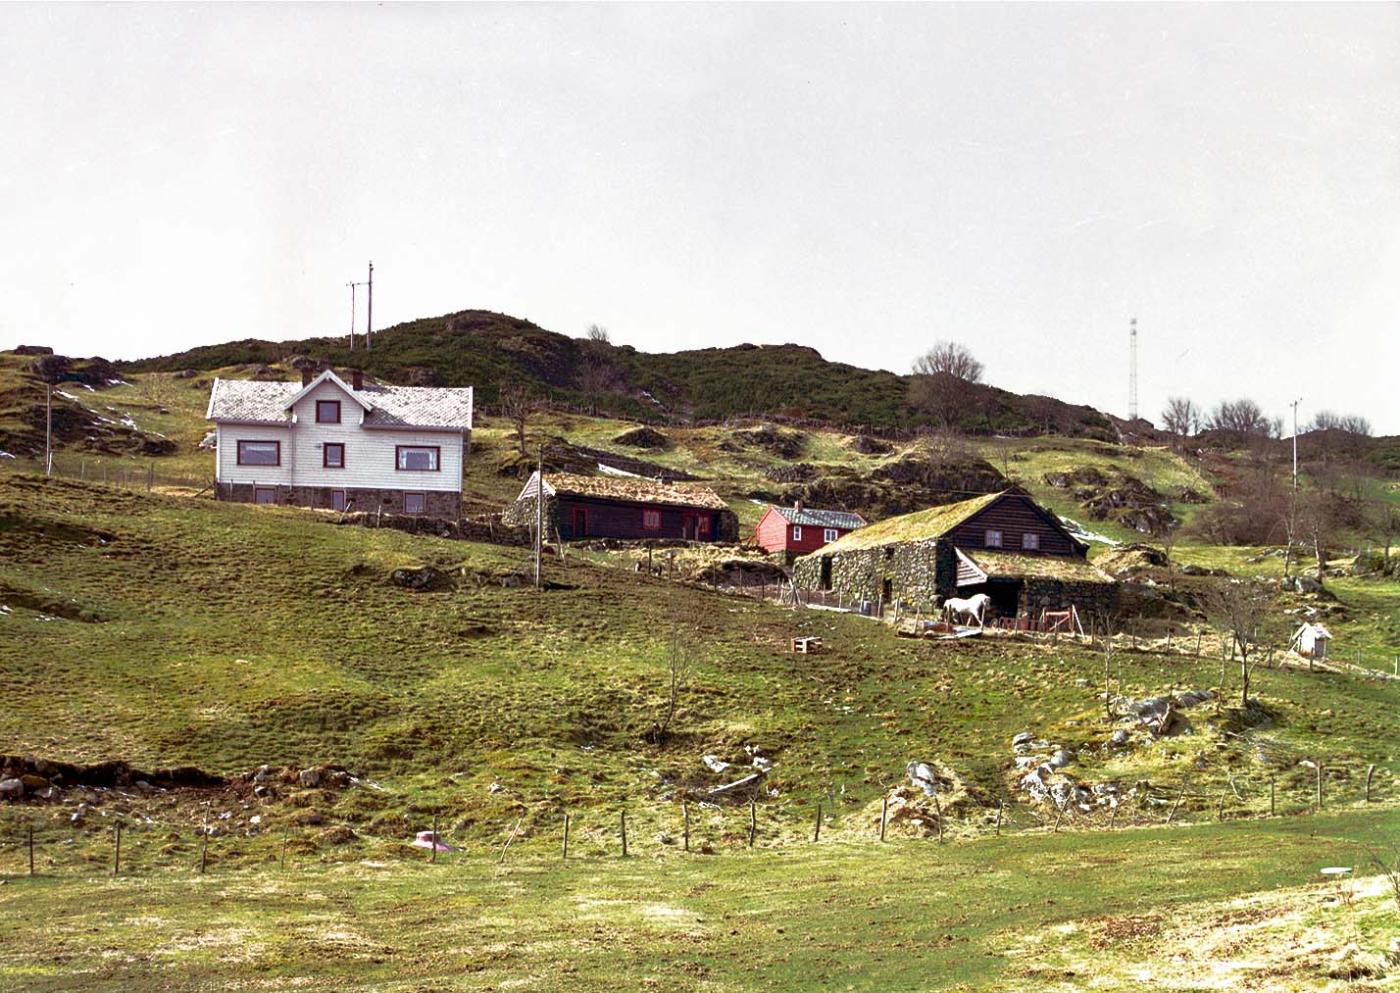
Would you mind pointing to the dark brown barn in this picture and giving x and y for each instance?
(579, 507)
(1002, 544)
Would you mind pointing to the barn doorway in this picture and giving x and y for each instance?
(580, 522)
(689, 527)
(1006, 597)
(887, 590)
(825, 581)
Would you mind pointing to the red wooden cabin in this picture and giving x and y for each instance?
(797, 530)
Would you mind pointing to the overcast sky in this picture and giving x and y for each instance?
(861, 179)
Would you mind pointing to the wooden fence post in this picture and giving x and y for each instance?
(565, 851)
(117, 853)
(1319, 786)
(817, 827)
(1001, 805)
(753, 819)
(31, 849)
(1220, 810)
(433, 857)
(884, 814)
(623, 822)
(685, 825)
(1272, 808)
(1370, 771)
(1180, 796)
(938, 812)
(282, 861)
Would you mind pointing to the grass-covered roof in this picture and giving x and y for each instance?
(922, 525)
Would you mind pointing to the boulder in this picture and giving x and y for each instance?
(425, 578)
(11, 789)
(33, 350)
(310, 778)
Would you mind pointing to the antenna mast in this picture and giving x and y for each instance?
(1132, 370)
(369, 309)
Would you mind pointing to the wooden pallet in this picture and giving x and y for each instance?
(806, 646)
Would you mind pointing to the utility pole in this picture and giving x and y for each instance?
(539, 515)
(352, 314)
(1294, 405)
(369, 309)
(48, 428)
(1132, 370)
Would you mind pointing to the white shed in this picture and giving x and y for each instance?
(1311, 640)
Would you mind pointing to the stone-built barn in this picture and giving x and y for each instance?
(623, 507)
(1002, 544)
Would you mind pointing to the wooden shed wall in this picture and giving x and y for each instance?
(1013, 516)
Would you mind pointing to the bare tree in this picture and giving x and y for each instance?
(1326, 420)
(949, 357)
(1242, 417)
(1240, 609)
(1181, 417)
(680, 662)
(942, 382)
(598, 334)
(517, 402)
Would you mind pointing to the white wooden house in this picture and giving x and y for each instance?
(328, 443)
(1310, 641)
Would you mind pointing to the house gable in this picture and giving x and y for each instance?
(1012, 515)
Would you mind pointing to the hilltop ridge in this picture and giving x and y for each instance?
(785, 382)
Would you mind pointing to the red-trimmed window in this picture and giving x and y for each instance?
(327, 411)
(259, 453)
(417, 458)
(415, 503)
(651, 520)
(333, 455)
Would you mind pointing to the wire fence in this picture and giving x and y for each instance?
(118, 471)
(113, 836)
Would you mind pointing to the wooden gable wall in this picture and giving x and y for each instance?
(1014, 515)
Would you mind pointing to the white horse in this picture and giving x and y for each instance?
(973, 608)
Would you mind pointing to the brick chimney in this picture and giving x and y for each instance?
(357, 379)
(307, 375)
(797, 506)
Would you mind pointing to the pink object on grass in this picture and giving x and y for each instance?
(425, 839)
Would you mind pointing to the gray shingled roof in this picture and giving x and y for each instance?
(390, 406)
(625, 490)
(843, 519)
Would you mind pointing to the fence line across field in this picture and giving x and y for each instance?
(28, 841)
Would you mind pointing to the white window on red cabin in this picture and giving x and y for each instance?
(797, 532)
(651, 520)
(829, 535)
(1030, 542)
(992, 539)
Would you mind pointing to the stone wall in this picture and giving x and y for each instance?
(437, 503)
(1094, 601)
(919, 573)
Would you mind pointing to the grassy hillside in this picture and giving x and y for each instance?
(226, 636)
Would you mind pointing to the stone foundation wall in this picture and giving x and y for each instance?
(919, 573)
(437, 504)
(1094, 601)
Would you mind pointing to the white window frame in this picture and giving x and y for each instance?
(829, 535)
(992, 539)
(797, 532)
(1030, 541)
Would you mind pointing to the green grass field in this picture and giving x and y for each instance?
(167, 629)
